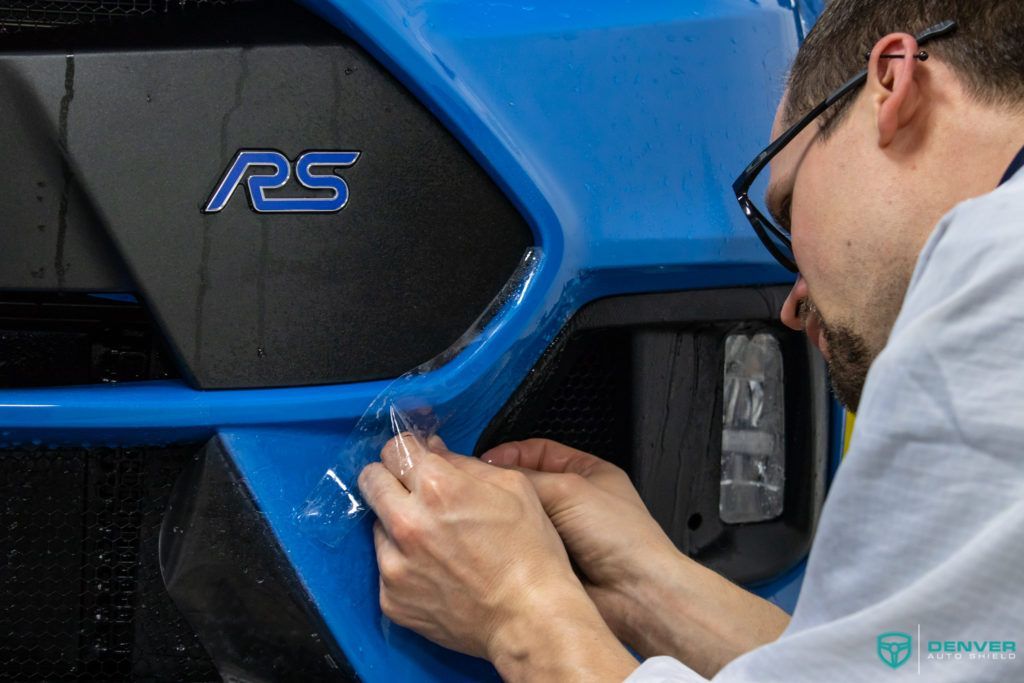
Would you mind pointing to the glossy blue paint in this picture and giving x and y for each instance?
(616, 128)
(807, 13)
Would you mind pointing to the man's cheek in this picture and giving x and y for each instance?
(805, 250)
(811, 249)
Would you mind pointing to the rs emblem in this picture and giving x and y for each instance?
(271, 170)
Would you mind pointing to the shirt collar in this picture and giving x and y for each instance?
(1015, 165)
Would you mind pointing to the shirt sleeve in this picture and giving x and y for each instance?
(664, 670)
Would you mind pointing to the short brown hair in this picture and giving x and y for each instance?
(986, 51)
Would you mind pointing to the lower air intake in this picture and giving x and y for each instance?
(81, 595)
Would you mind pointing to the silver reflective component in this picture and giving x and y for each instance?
(753, 430)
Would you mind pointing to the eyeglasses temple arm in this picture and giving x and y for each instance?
(762, 159)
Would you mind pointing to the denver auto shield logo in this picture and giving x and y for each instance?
(268, 169)
(894, 648)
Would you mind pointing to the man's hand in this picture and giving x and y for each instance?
(598, 513)
(653, 597)
(469, 559)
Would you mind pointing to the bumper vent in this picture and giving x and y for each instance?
(81, 595)
(580, 397)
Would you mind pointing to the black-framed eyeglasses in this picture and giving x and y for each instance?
(774, 237)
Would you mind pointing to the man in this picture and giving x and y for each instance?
(904, 205)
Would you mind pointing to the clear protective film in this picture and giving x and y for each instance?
(414, 407)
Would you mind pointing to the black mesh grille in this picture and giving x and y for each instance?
(17, 15)
(582, 398)
(51, 339)
(81, 596)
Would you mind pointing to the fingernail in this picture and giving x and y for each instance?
(436, 443)
(502, 456)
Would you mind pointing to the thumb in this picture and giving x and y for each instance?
(546, 456)
(543, 455)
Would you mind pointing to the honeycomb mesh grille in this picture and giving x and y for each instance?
(19, 15)
(81, 595)
(579, 396)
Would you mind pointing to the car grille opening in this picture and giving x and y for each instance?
(81, 594)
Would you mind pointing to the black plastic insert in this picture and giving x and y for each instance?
(226, 571)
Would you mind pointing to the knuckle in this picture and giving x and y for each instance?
(432, 490)
(435, 487)
(432, 481)
(392, 569)
(569, 484)
(404, 529)
(619, 473)
(514, 479)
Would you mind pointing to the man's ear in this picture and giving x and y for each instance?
(892, 82)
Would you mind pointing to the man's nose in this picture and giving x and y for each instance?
(790, 309)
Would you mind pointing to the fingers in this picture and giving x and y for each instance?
(543, 455)
(470, 465)
(381, 543)
(406, 454)
(466, 463)
(381, 489)
(389, 558)
(402, 453)
(418, 465)
(561, 474)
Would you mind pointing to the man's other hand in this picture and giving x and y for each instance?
(652, 596)
(599, 515)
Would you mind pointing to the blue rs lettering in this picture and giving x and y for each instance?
(270, 170)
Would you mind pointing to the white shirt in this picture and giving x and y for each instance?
(923, 530)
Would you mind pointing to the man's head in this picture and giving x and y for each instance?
(862, 188)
